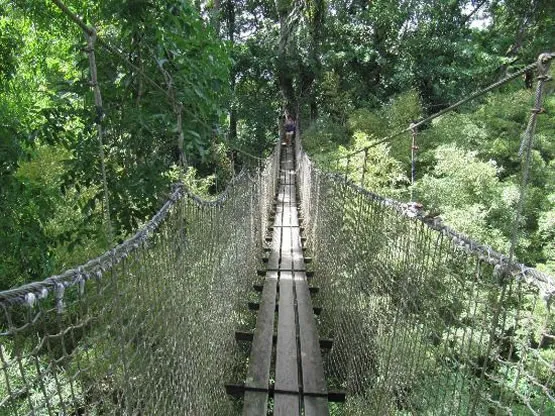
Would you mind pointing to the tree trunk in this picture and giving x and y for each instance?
(229, 12)
(313, 110)
(216, 16)
(285, 72)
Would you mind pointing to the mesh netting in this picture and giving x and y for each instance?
(147, 328)
(424, 321)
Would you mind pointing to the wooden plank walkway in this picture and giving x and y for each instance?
(300, 386)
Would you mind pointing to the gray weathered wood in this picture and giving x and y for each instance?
(316, 406)
(287, 371)
(297, 254)
(286, 252)
(286, 405)
(314, 381)
(258, 374)
(286, 352)
(273, 258)
(255, 403)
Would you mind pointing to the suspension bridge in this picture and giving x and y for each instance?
(294, 292)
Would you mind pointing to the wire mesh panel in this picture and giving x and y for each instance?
(424, 320)
(147, 328)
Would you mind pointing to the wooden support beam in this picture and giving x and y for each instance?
(247, 336)
(306, 259)
(254, 306)
(238, 390)
(313, 289)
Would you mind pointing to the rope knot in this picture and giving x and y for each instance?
(544, 60)
(501, 270)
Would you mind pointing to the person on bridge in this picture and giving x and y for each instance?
(290, 127)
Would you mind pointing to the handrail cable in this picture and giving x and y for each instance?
(548, 56)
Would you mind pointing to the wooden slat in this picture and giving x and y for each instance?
(297, 250)
(258, 374)
(255, 403)
(292, 196)
(273, 259)
(286, 405)
(315, 406)
(286, 255)
(288, 196)
(294, 221)
(278, 215)
(287, 372)
(281, 195)
(314, 381)
(290, 212)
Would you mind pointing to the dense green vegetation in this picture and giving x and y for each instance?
(353, 71)
(51, 180)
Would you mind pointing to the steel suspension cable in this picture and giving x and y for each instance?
(543, 64)
(471, 97)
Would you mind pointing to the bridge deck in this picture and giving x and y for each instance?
(300, 386)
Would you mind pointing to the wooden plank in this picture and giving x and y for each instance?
(279, 214)
(288, 196)
(255, 403)
(314, 381)
(238, 390)
(292, 196)
(246, 336)
(281, 195)
(254, 306)
(290, 213)
(297, 253)
(258, 374)
(273, 258)
(315, 406)
(286, 404)
(287, 371)
(294, 221)
(313, 289)
(278, 217)
(286, 257)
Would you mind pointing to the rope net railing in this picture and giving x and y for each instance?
(148, 327)
(424, 320)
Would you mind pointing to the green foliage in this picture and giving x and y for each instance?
(59, 227)
(468, 195)
(403, 109)
(336, 101)
(370, 122)
(255, 103)
(51, 182)
(191, 181)
(383, 173)
(322, 138)
(10, 41)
